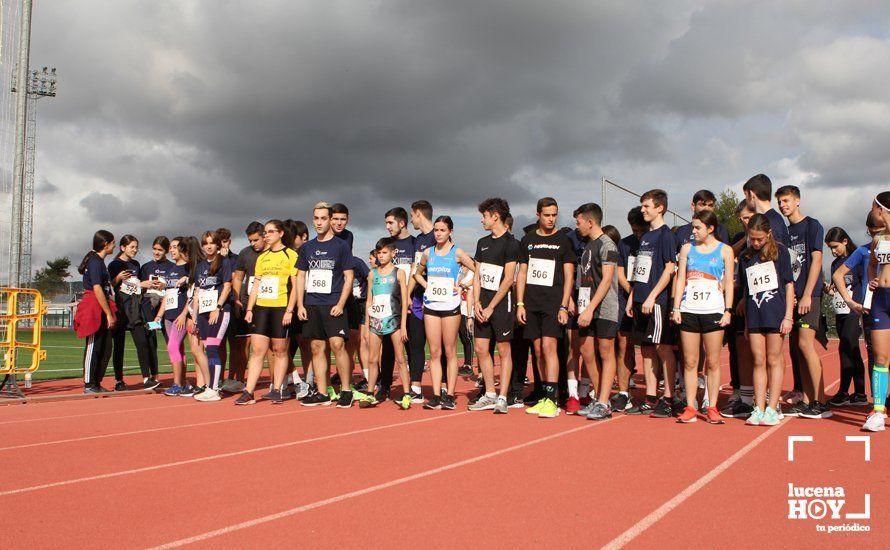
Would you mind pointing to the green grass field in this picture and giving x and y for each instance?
(64, 356)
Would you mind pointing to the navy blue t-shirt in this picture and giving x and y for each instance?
(777, 224)
(627, 249)
(852, 280)
(152, 270)
(765, 309)
(330, 258)
(684, 235)
(806, 237)
(97, 274)
(204, 280)
(360, 271)
(175, 273)
(858, 262)
(657, 248)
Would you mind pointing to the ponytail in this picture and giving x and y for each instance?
(100, 240)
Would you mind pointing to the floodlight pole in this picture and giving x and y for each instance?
(18, 172)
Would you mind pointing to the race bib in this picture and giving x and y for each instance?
(268, 288)
(156, 291)
(642, 267)
(703, 294)
(490, 275)
(250, 284)
(381, 306)
(796, 264)
(866, 301)
(319, 281)
(207, 300)
(439, 289)
(131, 287)
(171, 299)
(882, 252)
(631, 264)
(583, 299)
(540, 272)
(406, 269)
(762, 278)
(838, 303)
(417, 258)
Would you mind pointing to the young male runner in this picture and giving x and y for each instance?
(648, 304)
(231, 258)
(339, 219)
(701, 200)
(569, 347)
(496, 257)
(807, 236)
(396, 220)
(242, 277)
(324, 282)
(422, 221)
(597, 308)
(546, 276)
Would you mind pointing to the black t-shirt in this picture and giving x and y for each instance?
(346, 235)
(116, 267)
(246, 262)
(545, 257)
(493, 254)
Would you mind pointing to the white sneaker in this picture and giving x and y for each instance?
(304, 390)
(874, 422)
(208, 395)
(701, 382)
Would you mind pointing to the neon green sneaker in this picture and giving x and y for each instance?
(359, 396)
(368, 402)
(536, 408)
(332, 393)
(756, 418)
(405, 402)
(549, 409)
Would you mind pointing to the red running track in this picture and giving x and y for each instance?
(149, 471)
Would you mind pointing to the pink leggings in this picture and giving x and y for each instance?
(175, 342)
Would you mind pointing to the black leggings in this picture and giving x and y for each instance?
(96, 353)
(466, 340)
(146, 349)
(852, 367)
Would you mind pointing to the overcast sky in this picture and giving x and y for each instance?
(178, 116)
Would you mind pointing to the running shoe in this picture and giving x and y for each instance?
(859, 400)
(713, 416)
(792, 397)
(736, 395)
(465, 370)
(246, 398)
(688, 416)
(643, 408)
(303, 391)
(500, 406)
(448, 402)
(382, 395)
(548, 409)
(840, 399)
(120, 386)
(208, 395)
(816, 409)
(273, 395)
(678, 404)
(587, 409)
(417, 398)
(232, 386)
(188, 391)
(770, 417)
(405, 402)
(515, 402)
(662, 409)
(357, 395)
(91, 389)
(536, 409)
(756, 417)
(795, 409)
(434, 403)
(475, 397)
(287, 392)
(739, 409)
(368, 402)
(572, 405)
(620, 402)
(173, 391)
(332, 393)
(484, 403)
(874, 422)
(345, 400)
(480, 383)
(362, 385)
(316, 399)
(150, 384)
(601, 411)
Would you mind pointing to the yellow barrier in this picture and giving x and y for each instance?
(10, 319)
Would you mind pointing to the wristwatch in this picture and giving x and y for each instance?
(219, 306)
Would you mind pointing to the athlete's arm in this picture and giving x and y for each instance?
(403, 288)
(291, 301)
(301, 285)
(476, 290)
(788, 321)
(99, 292)
(728, 286)
(841, 288)
(419, 271)
(813, 278)
(370, 301)
(659, 287)
(680, 282)
(520, 293)
(622, 278)
(348, 276)
(237, 281)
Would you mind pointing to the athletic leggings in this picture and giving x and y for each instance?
(466, 340)
(175, 342)
(96, 354)
(211, 337)
(852, 368)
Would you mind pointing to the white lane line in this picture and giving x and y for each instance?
(375, 488)
(220, 456)
(96, 413)
(639, 527)
(161, 429)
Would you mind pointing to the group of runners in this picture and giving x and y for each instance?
(577, 300)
